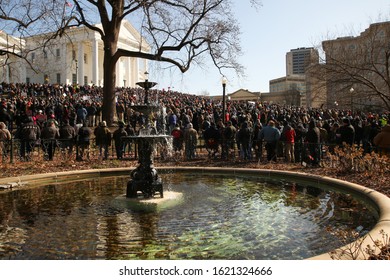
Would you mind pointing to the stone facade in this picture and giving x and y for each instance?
(357, 69)
(12, 68)
(77, 58)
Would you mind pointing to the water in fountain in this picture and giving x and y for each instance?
(218, 217)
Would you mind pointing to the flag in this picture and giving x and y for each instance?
(68, 4)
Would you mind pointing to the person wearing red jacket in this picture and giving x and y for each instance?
(288, 135)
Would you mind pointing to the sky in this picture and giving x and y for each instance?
(271, 31)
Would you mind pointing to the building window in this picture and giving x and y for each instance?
(46, 79)
(85, 80)
(58, 78)
(58, 53)
(73, 55)
(44, 54)
(85, 58)
(32, 56)
(28, 80)
(74, 79)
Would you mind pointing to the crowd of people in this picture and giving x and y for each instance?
(67, 116)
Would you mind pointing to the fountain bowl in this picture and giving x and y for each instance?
(379, 202)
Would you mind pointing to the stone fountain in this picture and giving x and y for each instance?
(145, 181)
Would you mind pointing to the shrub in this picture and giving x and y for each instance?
(379, 250)
(353, 159)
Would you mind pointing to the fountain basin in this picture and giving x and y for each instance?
(376, 200)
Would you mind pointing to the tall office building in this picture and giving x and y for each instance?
(297, 60)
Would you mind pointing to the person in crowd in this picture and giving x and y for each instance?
(229, 139)
(5, 116)
(288, 136)
(120, 110)
(358, 127)
(347, 133)
(83, 141)
(382, 141)
(103, 139)
(52, 119)
(201, 111)
(5, 136)
(178, 138)
(270, 135)
(72, 116)
(118, 139)
(40, 119)
(313, 138)
(212, 140)
(91, 114)
(334, 136)
(67, 137)
(29, 133)
(299, 145)
(257, 144)
(191, 141)
(374, 130)
(98, 114)
(324, 136)
(244, 138)
(172, 120)
(49, 136)
(130, 132)
(81, 113)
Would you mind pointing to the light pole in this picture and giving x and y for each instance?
(146, 85)
(351, 90)
(224, 81)
(146, 97)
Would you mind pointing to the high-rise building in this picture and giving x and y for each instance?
(297, 60)
(294, 84)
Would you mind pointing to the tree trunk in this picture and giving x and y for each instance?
(109, 77)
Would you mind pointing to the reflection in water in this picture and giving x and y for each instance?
(221, 218)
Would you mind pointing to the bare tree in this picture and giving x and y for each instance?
(180, 33)
(357, 69)
(23, 18)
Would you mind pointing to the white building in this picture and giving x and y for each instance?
(77, 58)
(12, 67)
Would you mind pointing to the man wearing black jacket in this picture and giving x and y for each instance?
(29, 133)
(347, 132)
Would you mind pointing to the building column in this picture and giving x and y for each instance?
(118, 72)
(95, 62)
(128, 72)
(134, 71)
(80, 63)
(22, 70)
(64, 57)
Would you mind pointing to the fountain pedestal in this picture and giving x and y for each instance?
(144, 178)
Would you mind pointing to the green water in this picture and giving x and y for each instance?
(219, 218)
